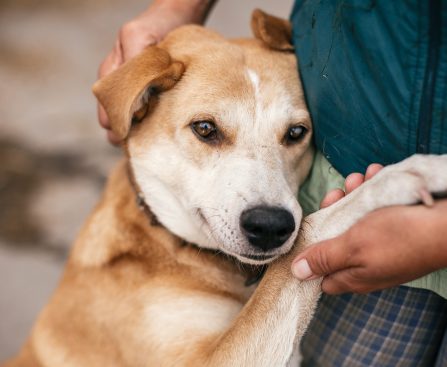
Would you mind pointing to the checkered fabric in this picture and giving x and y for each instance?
(398, 327)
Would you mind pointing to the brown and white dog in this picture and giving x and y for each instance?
(218, 140)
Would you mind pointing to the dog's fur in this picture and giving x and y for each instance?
(137, 294)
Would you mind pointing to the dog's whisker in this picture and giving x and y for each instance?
(238, 194)
(209, 207)
(215, 215)
(198, 206)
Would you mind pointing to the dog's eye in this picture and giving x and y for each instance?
(205, 130)
(295, 134)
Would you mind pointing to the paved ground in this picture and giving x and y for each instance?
(53, 156)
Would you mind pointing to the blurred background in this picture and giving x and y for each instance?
(54, 157)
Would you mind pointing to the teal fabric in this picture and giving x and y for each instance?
(374, 74)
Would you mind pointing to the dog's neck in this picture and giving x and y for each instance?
(139, 197)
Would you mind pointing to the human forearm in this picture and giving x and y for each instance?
(194, 10)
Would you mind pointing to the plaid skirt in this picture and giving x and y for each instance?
(398, 327)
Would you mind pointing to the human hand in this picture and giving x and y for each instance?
(386, 248)
(353, 181)
(146, 29)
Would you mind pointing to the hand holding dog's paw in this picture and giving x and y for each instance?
(389, 246)
(386, 248)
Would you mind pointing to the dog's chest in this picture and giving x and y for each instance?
(172, 315)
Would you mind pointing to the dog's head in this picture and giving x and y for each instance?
(218, 136)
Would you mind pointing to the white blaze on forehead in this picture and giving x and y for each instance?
(254, 78)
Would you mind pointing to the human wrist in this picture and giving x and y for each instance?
(429, 232)
(438, 228)
(191, 11)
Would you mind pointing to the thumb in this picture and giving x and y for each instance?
(321, 259)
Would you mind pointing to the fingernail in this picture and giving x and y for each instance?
(301, 270)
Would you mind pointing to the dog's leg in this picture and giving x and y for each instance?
(281, 308)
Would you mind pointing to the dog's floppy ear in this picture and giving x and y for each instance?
(125, 93)
(275, 32)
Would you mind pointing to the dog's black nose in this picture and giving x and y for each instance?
(267, 227)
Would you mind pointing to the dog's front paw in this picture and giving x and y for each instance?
(408, 182)
(431, 168)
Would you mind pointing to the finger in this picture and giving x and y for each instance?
(113, 138)
(102, 117)
(331, 197)
(113, 60)
(118, 51)
(372, 170)
(337, 283)
(110, 63)
(353, 181)
(131, 49)
(133, 40)
(322, 259)
(348, 280)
